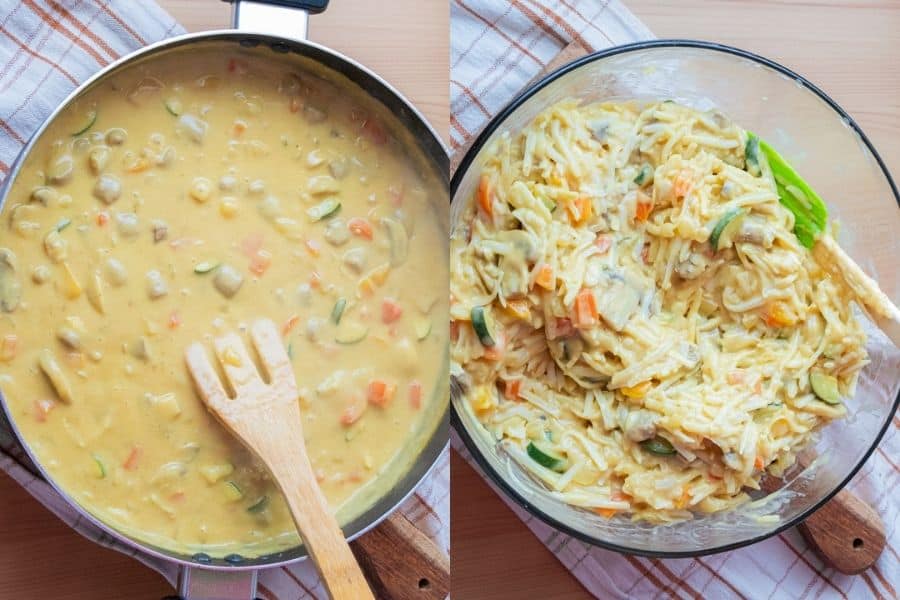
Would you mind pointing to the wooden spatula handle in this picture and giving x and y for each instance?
(847, 532)
(402, 563)
(316, 523)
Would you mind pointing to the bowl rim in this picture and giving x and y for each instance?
(493, 125)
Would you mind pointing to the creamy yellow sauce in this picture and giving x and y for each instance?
(183, 199)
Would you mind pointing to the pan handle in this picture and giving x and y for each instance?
(285, 18)
(206, 584)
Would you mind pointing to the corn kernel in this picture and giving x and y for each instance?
(483, 399)
(228, 208)
(637, 391)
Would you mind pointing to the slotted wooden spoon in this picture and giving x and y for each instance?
(266, 418)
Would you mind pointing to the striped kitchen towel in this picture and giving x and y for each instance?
(497, 47)
(46, 48)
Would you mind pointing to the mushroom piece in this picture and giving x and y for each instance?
(128, 224)
(338, 168)
(517, 252)
(98, 158)
(69, 337)
(193, 127)
(108, 189)
(336, 232)
(693, 266)
(23, 219)
(228, 280)
(755, 230)
(55, 246)
(115, 272)
(620, 299)
(10, 287)
(640, 425)
(116, 136)
(160, 230)
(355, 258)
(156, 285)
(60, 170)
(47, 196)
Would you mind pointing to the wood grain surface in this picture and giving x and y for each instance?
(406, 42)
(850, 50)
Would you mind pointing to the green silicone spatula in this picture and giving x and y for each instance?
(811, 229)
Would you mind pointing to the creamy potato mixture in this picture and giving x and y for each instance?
(181, 200)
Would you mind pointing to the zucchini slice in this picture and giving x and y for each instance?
(101, 468)
(644, 176)
(484, 326)
(258, 506)
(825, 387)
(88, 122)
(423, 329)
(232, 491)
(338, 311)
(205, 267)
(751, 155)
(323, 210)
(544, 456)
(716, 239)
(351, 332)
(173, 107)
(659, 446)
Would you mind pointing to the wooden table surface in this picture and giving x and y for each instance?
(406, 42)
(850, 49)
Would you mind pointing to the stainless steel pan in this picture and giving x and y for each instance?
(278, 26)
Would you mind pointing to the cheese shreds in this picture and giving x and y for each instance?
(656, 326)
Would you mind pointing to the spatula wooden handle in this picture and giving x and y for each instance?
(846, 532)
(317, 525)
(402, 563)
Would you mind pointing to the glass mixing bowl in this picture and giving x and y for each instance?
(830, 150)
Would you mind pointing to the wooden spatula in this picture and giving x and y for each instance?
(266, 418)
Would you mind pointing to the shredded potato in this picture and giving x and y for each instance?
(649, 299)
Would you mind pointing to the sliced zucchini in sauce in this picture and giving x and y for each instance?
(541, 453)
(659, 446)
(205, 267)
(101, 467)
(351, 332)
(751, 155)
(232, 491)
(644, 176)
(825, 387)
(484, 325)
(174, 107)
(323, 210)
(88, 122)
(723, 233)
(338, 311)
(258, 506)
(423, 329)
